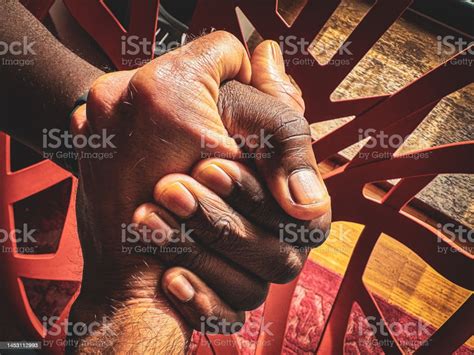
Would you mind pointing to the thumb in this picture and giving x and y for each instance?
(269, 76)
(278, 139)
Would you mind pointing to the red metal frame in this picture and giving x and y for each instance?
(63, 265)
(398, 113)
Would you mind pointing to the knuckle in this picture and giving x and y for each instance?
(224, 226)
(100, 88)
(225, 37)
(291, 125)
(104, 94)
(220, 224)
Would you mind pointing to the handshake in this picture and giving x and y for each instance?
(191, 219)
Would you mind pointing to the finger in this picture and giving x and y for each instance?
(212, 59)
(269, 76)
(154, 226)
(238, 186)
(199, 305)
(220, 228)
(279, 140)
(106, 97)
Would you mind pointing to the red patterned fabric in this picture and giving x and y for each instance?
(311, 305)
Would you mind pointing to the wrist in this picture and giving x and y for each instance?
(137, 325)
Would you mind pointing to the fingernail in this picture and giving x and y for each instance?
(216, 179)
(276, 53)
(306, 187)
(157, 230)
(181, 289)
(276, 50)
(178, 200)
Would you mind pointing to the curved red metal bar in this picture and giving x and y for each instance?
(398, 113)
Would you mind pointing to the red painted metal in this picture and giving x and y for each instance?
(63, 265)
(397, 113)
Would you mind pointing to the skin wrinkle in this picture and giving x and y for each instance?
(242, 232)
(130, 281)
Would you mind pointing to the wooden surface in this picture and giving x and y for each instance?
(403, 54)
(395, 274)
